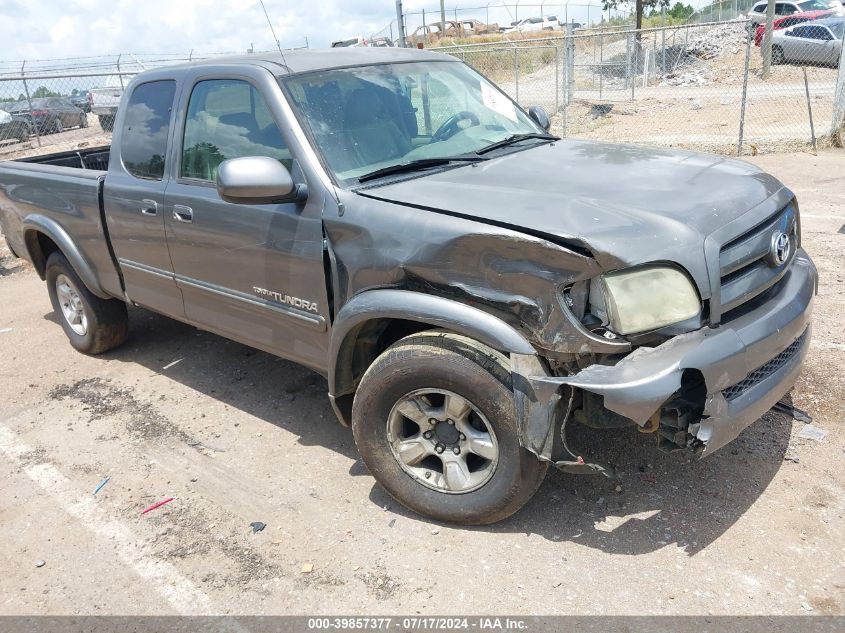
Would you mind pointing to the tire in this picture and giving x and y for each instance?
(23, 135)
(777, 56)
(57, 126)
(100, 325)
(106, 122)
(83, 121)
(410, 376)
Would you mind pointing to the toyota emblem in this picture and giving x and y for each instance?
(780, 248)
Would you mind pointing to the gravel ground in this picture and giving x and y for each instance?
(236, 436)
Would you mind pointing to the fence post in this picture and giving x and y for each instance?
(570, 63)
(809, 109)
(29, 102)
(516, 72)
(838, 101)
(748, 37)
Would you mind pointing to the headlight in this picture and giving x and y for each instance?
(642, 299)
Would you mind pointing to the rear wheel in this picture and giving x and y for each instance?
(57, 125)
(92, 325)
(83, 120)
(435, 423)
(777, 55)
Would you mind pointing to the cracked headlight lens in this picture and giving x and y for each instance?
(643, 299)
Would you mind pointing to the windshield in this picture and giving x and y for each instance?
(813, 5)
(370, 117)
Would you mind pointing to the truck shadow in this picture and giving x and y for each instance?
(663, 499)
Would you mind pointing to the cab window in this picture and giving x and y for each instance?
(146, 125)
(227, 118)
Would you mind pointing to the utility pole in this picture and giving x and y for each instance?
(443, 19)
(400, 24)
(767, 39)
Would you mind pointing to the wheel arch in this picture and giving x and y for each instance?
(43, 236)
(375, 319)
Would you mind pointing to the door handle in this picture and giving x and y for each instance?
(149, 207)
(181, 213)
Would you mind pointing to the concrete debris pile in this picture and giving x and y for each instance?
(715, 41)
(692, 77)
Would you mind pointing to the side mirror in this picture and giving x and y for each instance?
(539, 116)
(256, 180)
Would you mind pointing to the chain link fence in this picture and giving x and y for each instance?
(698, 86)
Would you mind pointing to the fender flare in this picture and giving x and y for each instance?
(36, 223)
(412, 306)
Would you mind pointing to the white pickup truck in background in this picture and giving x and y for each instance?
(104, 102)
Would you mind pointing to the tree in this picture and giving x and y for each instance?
(639, 7)
(43, 91)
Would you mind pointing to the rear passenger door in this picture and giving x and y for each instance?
(252, 272)
(134, 197)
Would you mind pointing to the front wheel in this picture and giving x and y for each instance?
(92, 325)
(435, 423)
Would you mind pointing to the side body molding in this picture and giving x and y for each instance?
(37, 223)
(412, 306)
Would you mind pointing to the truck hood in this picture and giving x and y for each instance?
(623, 204)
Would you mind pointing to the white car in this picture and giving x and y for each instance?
(534, 25)
(757, 15)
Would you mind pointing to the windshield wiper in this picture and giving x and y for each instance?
(516, 138)
(416, 165)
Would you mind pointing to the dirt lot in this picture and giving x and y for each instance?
(237, 436)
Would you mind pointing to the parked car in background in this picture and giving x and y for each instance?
(534, 25)
(818, 43)
(81, 101)
(48, 114)
(432, 32)
(13, 128)
(757, 15)
(104, 103)
(359, 40)
(475, 27)
(790, 20)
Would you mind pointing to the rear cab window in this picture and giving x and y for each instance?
(146, 126)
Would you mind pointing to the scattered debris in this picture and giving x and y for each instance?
(157, 505)
(600, 109)
(40, 563)
(101, 484)
(810, 432)
(435, 531)
(791, 458)
(257, 526)
(307, 568)
(5, 330)
(650, 478)
(169, 365)
(791, 410)
(392, 523)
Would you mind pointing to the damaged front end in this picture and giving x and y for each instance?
(698, 390)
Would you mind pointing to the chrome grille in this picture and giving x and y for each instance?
(764, 371)
(748, 264)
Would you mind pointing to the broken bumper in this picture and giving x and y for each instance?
(748, 364)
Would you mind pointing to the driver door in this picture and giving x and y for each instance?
(252, 272)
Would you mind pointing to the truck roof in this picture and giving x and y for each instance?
(309, 60)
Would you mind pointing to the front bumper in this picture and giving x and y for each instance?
(748, 364)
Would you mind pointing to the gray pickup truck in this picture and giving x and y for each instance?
(468, 284)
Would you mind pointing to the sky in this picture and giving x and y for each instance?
(61, 29)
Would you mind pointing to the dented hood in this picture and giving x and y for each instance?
(624, 204)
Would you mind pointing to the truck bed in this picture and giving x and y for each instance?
(58, 197)
(88, 158)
